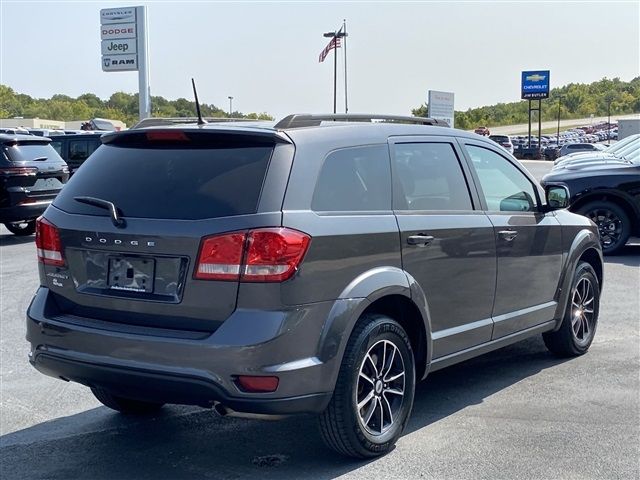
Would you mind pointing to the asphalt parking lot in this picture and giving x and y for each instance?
(515, 413)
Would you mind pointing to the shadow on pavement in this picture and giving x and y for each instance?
(11, 239)
(630, 255)
(186, 442)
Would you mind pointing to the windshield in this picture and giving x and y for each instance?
(175, 183)
(29, 151)
(622, 143)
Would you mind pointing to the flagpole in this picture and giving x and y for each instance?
(335, 71)
(344, 27)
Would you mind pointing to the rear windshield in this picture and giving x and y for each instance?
(173, 183)
(499, 138)
(29, 151)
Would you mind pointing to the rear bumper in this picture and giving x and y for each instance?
(167, 388)
(141, 364)
(27, 211)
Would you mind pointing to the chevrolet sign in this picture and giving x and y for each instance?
(535, 84)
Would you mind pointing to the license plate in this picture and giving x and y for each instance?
(131, 274)
(46, 184)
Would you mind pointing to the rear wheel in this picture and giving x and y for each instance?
(23, 228)
(613, 224)
(581, 317)
(124, 405)
(374, 392)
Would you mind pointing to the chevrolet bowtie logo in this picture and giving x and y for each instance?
(535, 78)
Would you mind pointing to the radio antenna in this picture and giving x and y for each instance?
(201, 121)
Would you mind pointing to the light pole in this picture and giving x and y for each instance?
(558, 135)
(609, 122)
(230, 105)
(335, 36)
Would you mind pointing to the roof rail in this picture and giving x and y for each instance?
(298, 120)
(164, 121)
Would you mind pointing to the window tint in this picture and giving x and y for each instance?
(174, 183)
(78, 150)
(29, 151)
(505, 188)
(430, 178)
(354, 180)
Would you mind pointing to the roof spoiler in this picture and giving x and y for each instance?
(166, 121)
(311, 120)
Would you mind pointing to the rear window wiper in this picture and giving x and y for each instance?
(40, 159)
(117, 220)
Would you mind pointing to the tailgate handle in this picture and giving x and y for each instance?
(420, 240)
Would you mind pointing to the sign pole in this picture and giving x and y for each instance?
(143, 65)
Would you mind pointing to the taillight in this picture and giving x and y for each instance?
(166, 136)
(19, 171)
(273, 254)
(220, 257)
(261, 255)
(48, 243)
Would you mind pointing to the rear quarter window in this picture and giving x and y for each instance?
(356, 179)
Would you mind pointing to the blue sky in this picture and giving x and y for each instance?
(265, 54)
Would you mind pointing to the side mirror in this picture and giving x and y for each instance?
(557, 197)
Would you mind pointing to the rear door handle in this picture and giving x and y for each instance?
(508, 235)
(420, 240)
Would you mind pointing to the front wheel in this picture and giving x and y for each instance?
(23, 228)
(374, 392)
(578, 327)
(613, 224)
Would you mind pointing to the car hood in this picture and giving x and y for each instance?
(589, 169)
(577, 158)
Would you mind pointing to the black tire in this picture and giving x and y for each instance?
(607, 215)
(341, 424)
(124, 405)
(567, 341)
(22, 229)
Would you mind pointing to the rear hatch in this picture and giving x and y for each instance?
(135, 262)
(31, 171)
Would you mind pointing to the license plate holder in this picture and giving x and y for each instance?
(131, 274)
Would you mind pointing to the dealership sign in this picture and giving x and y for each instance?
(535, 84)
(119, 35)
(118, 31)
(441, 106)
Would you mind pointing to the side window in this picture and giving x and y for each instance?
(57, 145)
(354, 180)
(429, 177)
(505, 188)
(78, 150)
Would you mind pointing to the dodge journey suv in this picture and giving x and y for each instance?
(323, 265)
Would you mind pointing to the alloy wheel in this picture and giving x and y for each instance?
(381, 387)
(609, 226)
(582, 311)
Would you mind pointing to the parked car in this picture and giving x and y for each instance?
(271, 270)
(75, 149)
(14, 131)
(580, 147)
(45, 132)
(626, 149)
(31, 175)
(504, 141)
(605, 191)
(484, 131)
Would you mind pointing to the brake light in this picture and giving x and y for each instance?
(18, 171)
(48, 243)
(220, 257)
(261, 255)
(273, 254)
(167, 136)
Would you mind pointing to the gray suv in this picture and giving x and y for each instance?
(321, 265)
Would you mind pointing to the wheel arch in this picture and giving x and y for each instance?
(385, 290)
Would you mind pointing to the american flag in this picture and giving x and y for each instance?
(334, 43)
